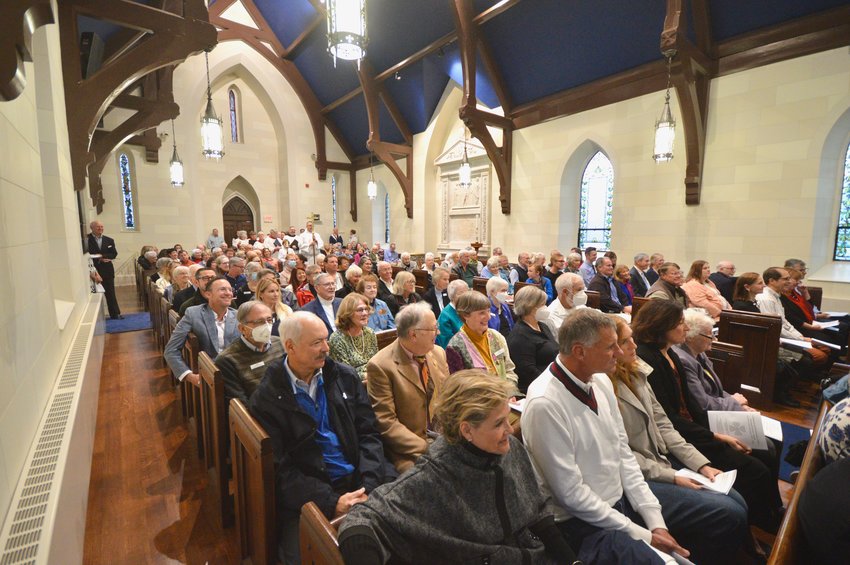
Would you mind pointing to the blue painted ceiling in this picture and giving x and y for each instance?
(541, 47)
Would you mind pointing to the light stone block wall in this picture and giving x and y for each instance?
(39, 242)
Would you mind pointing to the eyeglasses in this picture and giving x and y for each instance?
(436, 330)
(268, 320)
(327, 284)
(206, 278)
(361, 310)
(709, 336)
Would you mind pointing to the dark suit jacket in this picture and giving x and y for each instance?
(725, 284)
(431, 298)
(178, 299)
(315, 307)
(107, 248)
(637, 282)
(385, 293)
(651, 275)
(606, 303)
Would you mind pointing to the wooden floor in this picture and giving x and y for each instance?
(148, 498)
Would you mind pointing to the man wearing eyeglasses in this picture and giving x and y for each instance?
(202, 277)
(326, 304)
(403, 380)
(244, 362)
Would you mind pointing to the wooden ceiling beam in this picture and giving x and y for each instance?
(477, 120)
(169, 38)
(495, 74)
(433, 47)
(701, 16)
(21, 19)
(385, 151)
(292, 49)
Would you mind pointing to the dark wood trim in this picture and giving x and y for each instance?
(495, 74)
(477, 120)
(432, 47)
(386, 152)
(701, 15)
(169, 38)
(352, 192)
(21, 19)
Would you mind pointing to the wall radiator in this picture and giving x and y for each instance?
(46, 520)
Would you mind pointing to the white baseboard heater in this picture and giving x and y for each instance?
(46, 520)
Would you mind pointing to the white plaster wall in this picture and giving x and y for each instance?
(39, 241)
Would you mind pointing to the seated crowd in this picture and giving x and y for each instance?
(614, 404)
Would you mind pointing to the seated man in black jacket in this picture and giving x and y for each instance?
(610, 299)
(327, 447)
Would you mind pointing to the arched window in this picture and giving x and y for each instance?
(333, 197)
(596, 203)
(387, 218)
(842, 235)
(125, 175)
(234, 117)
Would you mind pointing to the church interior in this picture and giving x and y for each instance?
(99, 98)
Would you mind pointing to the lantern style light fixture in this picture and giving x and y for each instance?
(665, 127)
(347, 29)
(371, 186)
(175, 165)
(465, 171)
(212, 135)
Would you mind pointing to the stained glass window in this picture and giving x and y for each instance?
(597, 198)
(387, 218)
(127, 197)
(234, 120)
(842, 235)
(333, 197)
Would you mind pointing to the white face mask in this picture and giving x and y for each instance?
(502, 297)
(580, 298)
(542, 314)
(262, 334)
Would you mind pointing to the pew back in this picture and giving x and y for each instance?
(758, 334)
(593, 299)
(214, 428)
(422, 281)
(386, 337)
(479, 284)
(519, 285)
(253, 477)
(318, 537)
(729, 362)
(637, 304)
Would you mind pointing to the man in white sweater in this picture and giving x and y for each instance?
(574, 433)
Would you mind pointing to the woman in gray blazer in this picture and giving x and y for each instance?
(710, 525)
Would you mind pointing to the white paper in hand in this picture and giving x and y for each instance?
(722, 483)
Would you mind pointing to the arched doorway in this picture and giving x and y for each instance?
(237, 215)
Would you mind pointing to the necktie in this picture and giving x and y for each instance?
(424, 377)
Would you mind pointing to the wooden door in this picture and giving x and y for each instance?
(237, 216)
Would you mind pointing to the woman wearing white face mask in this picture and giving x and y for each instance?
(268, 292)
(501, 319)
(531, 343)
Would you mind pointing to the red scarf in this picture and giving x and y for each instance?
(802, 304)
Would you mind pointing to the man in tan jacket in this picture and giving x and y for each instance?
(403, 380)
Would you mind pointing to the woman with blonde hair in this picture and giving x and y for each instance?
(268, 292)
(473, 485)
(404, 289)
(354, 342)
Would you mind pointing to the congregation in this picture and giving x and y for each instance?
(493, 364)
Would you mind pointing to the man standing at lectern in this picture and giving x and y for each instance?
(102, 249)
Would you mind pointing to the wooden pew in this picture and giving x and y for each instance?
(164, 321)
(790, 545)
(519, 285)
(637, 303)
(386, 337)
(593, 299)
(396, 270)
(479, 284)
(146, 278)
(758, 334)
(318, 537)
(729, 362)
(423, 280)
(152, 303)
(190, 392)
(214, 427)
(816, 295)
(253, 477)
(453, 276)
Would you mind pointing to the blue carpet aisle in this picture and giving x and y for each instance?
(130, 323)
(791, 434)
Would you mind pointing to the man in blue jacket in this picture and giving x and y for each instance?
(326, 444)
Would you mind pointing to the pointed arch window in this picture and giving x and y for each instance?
(387, 218)
(333, 197)
(234, 115)
(596, 203)
(128, 197)
(842, 232)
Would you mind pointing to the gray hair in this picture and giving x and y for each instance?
(456, 287)
(353, 270)
(695, 320)
(319, 277)
(291, 328)
(794, 264)
(179, 270)
(150, 255)
(641, 257)
(582, 326)
(527, 300)
(495, 284)
(162, 263)
(252, 267)
(429, 255)
(567, 280)
(237, 261)
(493, 263)
(381, 264)
(410, 317)
(405, 254)
(600, 261)
(320, 258)
(573, 257)
(440, 271)
(245, 310)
